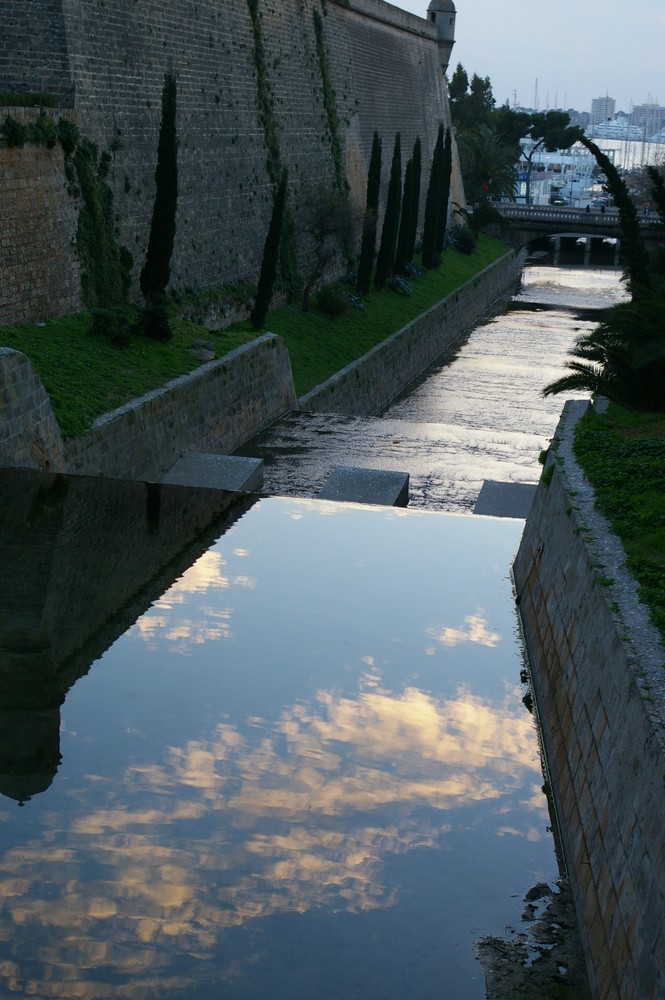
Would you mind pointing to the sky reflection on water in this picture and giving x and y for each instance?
(292, 777)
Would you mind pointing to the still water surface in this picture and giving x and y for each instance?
(305, 771)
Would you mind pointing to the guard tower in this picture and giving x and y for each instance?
(442, 13)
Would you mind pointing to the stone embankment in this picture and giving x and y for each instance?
(225, 402)
(597, 671)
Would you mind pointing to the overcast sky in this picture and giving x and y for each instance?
(575, 49)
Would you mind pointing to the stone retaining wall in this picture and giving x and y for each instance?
(597, 674)
(213, 409)
(367, 385)
(30, 433)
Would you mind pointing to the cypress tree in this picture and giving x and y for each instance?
(156, 270)
(432, 204)
(401, 258)
(368, 243)
(270, 257)
(415, 198)
(386, 256)
(446, 170)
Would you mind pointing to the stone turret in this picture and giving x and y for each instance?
(442, 13)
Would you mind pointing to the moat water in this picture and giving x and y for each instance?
(295, 763)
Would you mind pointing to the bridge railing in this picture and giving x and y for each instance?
(557, 214)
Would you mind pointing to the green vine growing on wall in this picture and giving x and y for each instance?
(105, 264)
(264, 98)
(330, 105)
(291, 282)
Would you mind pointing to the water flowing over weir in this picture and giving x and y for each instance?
(475, 414)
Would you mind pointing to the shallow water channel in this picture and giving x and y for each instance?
(477, 413)
(292, 762)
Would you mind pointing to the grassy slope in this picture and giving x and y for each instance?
(623, 455)
(86, 376)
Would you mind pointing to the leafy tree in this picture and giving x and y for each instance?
(156, 271)
(548, 130)
(386, 256)
(470, 104)
(270, 256)
(368, 242)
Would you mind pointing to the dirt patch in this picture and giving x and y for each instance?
(543, 959)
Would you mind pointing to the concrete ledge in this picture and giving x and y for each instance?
(217, 472)
(505, 499)
(375, 486)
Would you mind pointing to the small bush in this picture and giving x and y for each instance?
(331, 301)
(154, 323)
(462, 239)
(114, 324)
(15, 132)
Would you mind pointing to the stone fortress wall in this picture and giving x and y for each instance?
(105, 64)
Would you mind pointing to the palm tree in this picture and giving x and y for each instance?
(488, 165)
(623, 358)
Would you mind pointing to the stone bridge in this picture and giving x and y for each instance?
(526, 224)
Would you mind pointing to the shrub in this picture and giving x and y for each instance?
(331, 301)
(462, 239)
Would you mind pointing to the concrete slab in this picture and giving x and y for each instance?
(377, 486)
(505, 499)
(218, 472)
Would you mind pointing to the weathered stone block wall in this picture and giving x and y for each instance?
(596, 668)
(214, 409)
(39, 274)
(33, 49)
(112, 57)
(366, 386)
(29, 433)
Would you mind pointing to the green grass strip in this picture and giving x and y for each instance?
(86, 376)
(622, 453)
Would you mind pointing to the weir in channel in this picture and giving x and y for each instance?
(476, 413)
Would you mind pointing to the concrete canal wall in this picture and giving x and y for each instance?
(366, 386)
(599, 686)
(220, 405)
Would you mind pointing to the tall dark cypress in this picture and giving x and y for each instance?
(156, 271)
(446, 170)
(415, 198)
(368, 243)
(386, 256)
(270, 257)
(401, 258)
(432, 205)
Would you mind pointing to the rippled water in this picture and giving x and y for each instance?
(477, 413)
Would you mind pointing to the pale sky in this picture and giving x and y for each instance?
(575, 49)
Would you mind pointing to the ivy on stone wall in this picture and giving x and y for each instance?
(330, 105)
(264, 98)
(106, 265)
(291, 281)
